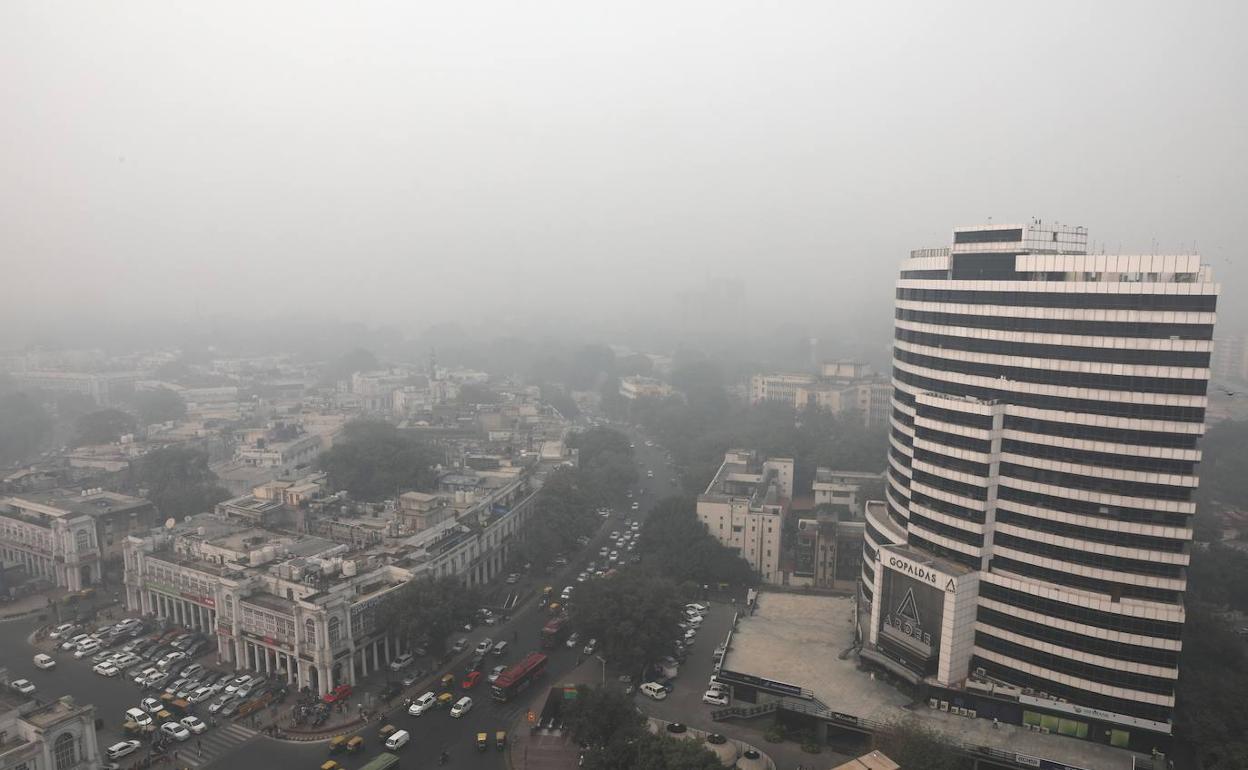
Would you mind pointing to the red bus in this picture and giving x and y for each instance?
(555, 631)
(515, 679)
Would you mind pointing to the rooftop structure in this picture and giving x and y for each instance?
(745, 506)
(795, 651)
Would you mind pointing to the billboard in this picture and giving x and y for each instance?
(911, 611)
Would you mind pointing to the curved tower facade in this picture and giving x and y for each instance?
(1047, 410)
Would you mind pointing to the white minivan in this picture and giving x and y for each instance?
(398, 739)
(44, 662)
(653, 690)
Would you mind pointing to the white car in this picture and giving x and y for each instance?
(194, 724)
(398, 739)
(61, 630)
(176, 730)
(653, 690)
(422, 704)
(24, 686)
(125, 748)
(715, 698)
(151, 705)
(200, 695)
(461, 707)
(484, 645)
(219, 703)
(573, 640)
(635, 506)
(495, 673)
(87, 648)
(106, 669)
(139, 717)
(589, 647)
(401, 662)
(73, 642)
(44, 662)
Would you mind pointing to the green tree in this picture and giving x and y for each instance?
(102, 426)
(374, 461)
(24, 427)
(600, 715)
(425, 611)
(178, 481)
(910, 743)
(606, 464)
(633, 615)
(158, 405)
(676, 544)
(341, 368)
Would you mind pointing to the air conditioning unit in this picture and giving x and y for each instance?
(944, 705)
(981, 673)
(972, 713)
(1044, 730)
(932, 703)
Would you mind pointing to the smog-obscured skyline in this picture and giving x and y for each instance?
(412, 165)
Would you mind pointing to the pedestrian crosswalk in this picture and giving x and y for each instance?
(202, 750)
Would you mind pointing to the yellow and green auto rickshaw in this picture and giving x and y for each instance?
(331, 765)
(500, 739)
(337, 744)
(355, 745)
(385, 732)
(481, 741)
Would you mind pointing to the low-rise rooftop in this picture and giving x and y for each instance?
(807, 642)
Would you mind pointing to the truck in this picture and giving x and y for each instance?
(384, 761)
(555, 631)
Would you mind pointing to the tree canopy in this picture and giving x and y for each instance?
(562, 512)
(615, 734)
(178, 481)
(910, 743)
(632, 614)
(103, 426)
(606, 462)
(678, 546)
(374, 461)
(24, 427)
(158, 405)
(425, 611)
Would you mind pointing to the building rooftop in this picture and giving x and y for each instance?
(53, 713)
(806, 641)
(76, 502)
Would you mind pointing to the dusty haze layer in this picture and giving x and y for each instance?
(417, 162)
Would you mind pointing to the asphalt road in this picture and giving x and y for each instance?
(431, 733)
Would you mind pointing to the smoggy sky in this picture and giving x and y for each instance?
(414, 162)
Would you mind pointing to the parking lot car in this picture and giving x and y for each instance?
(653, 690)
(194, 724)
(122, 749)
(139, 717)
(176, 730)
(461, 707)
(200, 695)
(44, 662)
(220, 703)
(86, 648)
(60, 631)
(106, 669)
(24, 686)
(422, 704)
(72, 642)
(715, 698)
(151, 705)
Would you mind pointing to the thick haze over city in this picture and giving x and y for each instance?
(623, 386)
(413, 164)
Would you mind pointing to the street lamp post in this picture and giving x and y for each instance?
(604, 667)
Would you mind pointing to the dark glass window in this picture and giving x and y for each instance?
(1090, 671)
(1088, 558)
(1048, 633)
(1073, 694)
(1101, 484)
(1088, 508)
(1203, 303)
(1091, 534)
(1133, 462)
(1014, 235)
(1097, 433)
(1138, 329)
(1056, 352)
(1125, 590)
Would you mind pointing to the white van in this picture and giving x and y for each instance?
(44, 662)
(653, 690)
(398, 739)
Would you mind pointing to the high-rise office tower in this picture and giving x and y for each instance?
(1048, 406)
